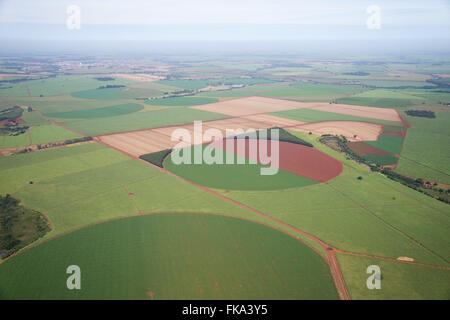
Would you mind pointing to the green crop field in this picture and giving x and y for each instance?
(425, 153)
(381, 159)
(391, 144)
(58, 85)
(49, 133)
(398, 280)
(233, 176)
(99, 94)
(134, 252)
(142, 120)
(116, 110)
(181, 101)
(310, 115)
(7, 141)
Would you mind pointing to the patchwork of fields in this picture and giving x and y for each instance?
(223, 231)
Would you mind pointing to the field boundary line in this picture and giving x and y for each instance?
(392, 259)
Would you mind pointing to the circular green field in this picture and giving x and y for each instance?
(235, 176)
(181, 101)
(170, 256)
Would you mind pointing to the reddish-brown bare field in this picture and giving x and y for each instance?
(361, 149)
(297, 159)
(364, 131)
(359, 111)
(251, 105)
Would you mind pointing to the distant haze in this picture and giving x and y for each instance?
(283, 25)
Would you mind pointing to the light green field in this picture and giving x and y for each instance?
(398, 280)
(49, 133)
(309, 115)
(425, 153)
(98, 94)
(181, 101)
(116, 110)
(7, 141)
(142, 120)
(151, 256)
(57, 85)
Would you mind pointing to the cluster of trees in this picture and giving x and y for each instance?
(357, 73)
(421, 113)
(11, 114)
(105, 79)
(14, 218)
(63, 143)
(111, 86)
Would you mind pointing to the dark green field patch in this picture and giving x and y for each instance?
(98, 94)
(381, 159)
(170, 256)
(181, 101)
(117, 110)
(156, 158)
(391, 144)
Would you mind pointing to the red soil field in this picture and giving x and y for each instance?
(361, 148)
(297, 159)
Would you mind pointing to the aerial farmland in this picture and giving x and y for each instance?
(212, 177)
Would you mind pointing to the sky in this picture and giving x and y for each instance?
(219, 20)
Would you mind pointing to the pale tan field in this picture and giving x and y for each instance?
(273, 121)
(251, 105)
(248, 115)
(359, 111)
(364, 131)
(137, 77)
